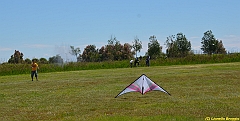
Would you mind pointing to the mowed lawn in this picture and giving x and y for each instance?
(197, 92)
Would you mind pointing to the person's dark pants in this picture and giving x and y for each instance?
(34, 73)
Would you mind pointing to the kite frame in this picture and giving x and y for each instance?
(142, 88)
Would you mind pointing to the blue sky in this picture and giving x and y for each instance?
(45, 28)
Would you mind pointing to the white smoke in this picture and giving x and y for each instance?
(64, 51)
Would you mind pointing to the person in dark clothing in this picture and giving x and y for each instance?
(148, 61)
(136, 62)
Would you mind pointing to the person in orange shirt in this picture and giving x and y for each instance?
(34, 69)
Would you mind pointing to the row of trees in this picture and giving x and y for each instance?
(177, 46)
(114, 50)
(17, 57)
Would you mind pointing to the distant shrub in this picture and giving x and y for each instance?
(13, 69)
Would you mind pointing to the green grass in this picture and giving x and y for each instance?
(198, 91)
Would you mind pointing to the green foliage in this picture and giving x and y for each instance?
(75, 51)
(36, 60)
(113, 41)
(198, 59)
(28, 61)
(184, 46)
(220, 48)
(154, 48)
(17, 57)
(178, 47)
(114, 51)
(43, 61)
(137, 45)
(56, 59)
(90, 54)
(13, 69)
(211, 45)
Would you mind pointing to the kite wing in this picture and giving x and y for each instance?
(142, 85)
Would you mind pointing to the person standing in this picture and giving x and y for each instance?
(131, 63)
(148, 61)
(136, 62)
(34, 69)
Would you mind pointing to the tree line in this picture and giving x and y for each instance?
(177, 46)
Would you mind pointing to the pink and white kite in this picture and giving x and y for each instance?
(143, 84)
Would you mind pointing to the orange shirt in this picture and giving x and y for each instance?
(34, 66)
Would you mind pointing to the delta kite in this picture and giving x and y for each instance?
(143, 84)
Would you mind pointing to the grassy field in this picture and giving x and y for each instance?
(197, 91)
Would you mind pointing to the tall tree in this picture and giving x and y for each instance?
(172, 50)
(126, 51)
(209, 43)
(17, 57)
(113, 41)
(183, 45)
(112, 49)
(220, 48)
(154, 48)
(90, 54)
(137, 45)
(108, 53)
(177, 46)
(115, 52)
(43, 60)
(75, 51)
(102, 53)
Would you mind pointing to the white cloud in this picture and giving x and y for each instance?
(231, 42)
(233, 37)
(5, 49)
(37, 46)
